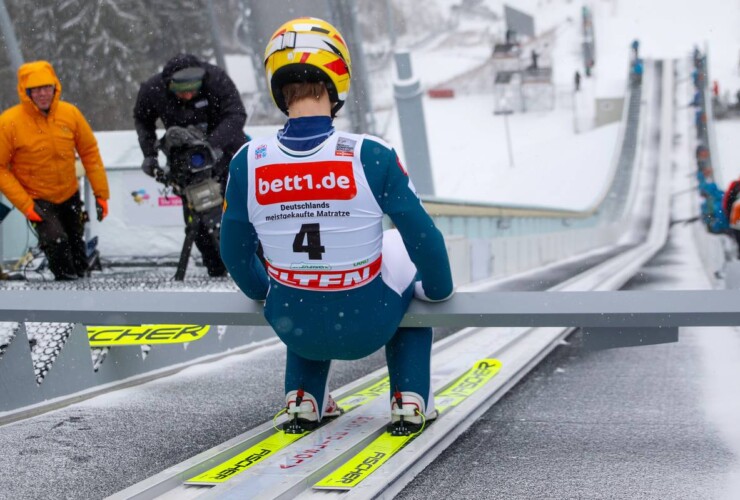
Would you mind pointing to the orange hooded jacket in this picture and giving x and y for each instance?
(37, 151)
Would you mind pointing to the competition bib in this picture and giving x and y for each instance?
(316, 216)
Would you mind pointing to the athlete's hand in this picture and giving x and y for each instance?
(421, 295)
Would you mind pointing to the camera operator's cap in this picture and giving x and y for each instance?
(187, 79)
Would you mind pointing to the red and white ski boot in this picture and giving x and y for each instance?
(409, 414)
(302, 410)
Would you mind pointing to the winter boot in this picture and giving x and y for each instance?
(59, 256)
(408, 413)
(302, 410)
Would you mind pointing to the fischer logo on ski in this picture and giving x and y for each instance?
(364, 467)
(101, 336)
(380, 450)
(242, 464)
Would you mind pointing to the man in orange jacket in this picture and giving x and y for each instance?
(38, 140)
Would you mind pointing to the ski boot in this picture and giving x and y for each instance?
(408, 414)
(301, 408)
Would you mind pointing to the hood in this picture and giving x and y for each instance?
(37, 74)
(180, 61)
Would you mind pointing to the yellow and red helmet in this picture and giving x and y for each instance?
(308, 49)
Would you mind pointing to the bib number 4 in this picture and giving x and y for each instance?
(308, 240)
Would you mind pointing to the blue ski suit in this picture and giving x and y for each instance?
(318, 326)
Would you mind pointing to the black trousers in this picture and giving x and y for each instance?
(736, 234)
(207, 227)
(61, 236)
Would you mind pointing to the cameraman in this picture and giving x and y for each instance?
(187, 92)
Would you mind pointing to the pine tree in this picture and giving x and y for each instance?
(103, 49)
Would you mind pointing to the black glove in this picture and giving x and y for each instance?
(160, 176)
(150, 165)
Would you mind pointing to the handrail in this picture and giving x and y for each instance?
(606, 308)
(440, 206)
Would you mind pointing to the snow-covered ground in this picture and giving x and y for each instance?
(474, 163)
(554, 161)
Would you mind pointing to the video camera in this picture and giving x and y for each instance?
(189, 169)
(190, 173)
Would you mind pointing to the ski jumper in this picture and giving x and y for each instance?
(336, 286)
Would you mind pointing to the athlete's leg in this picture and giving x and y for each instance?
(408, 355)
(309, 375)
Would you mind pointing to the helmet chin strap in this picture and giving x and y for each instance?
(334, 109)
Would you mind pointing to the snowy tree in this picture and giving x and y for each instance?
(103, 49)
(95, 47)
(179, 26)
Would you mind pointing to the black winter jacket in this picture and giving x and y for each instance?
(217, 107)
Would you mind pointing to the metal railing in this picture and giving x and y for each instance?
(609, 319)
(597, 309)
